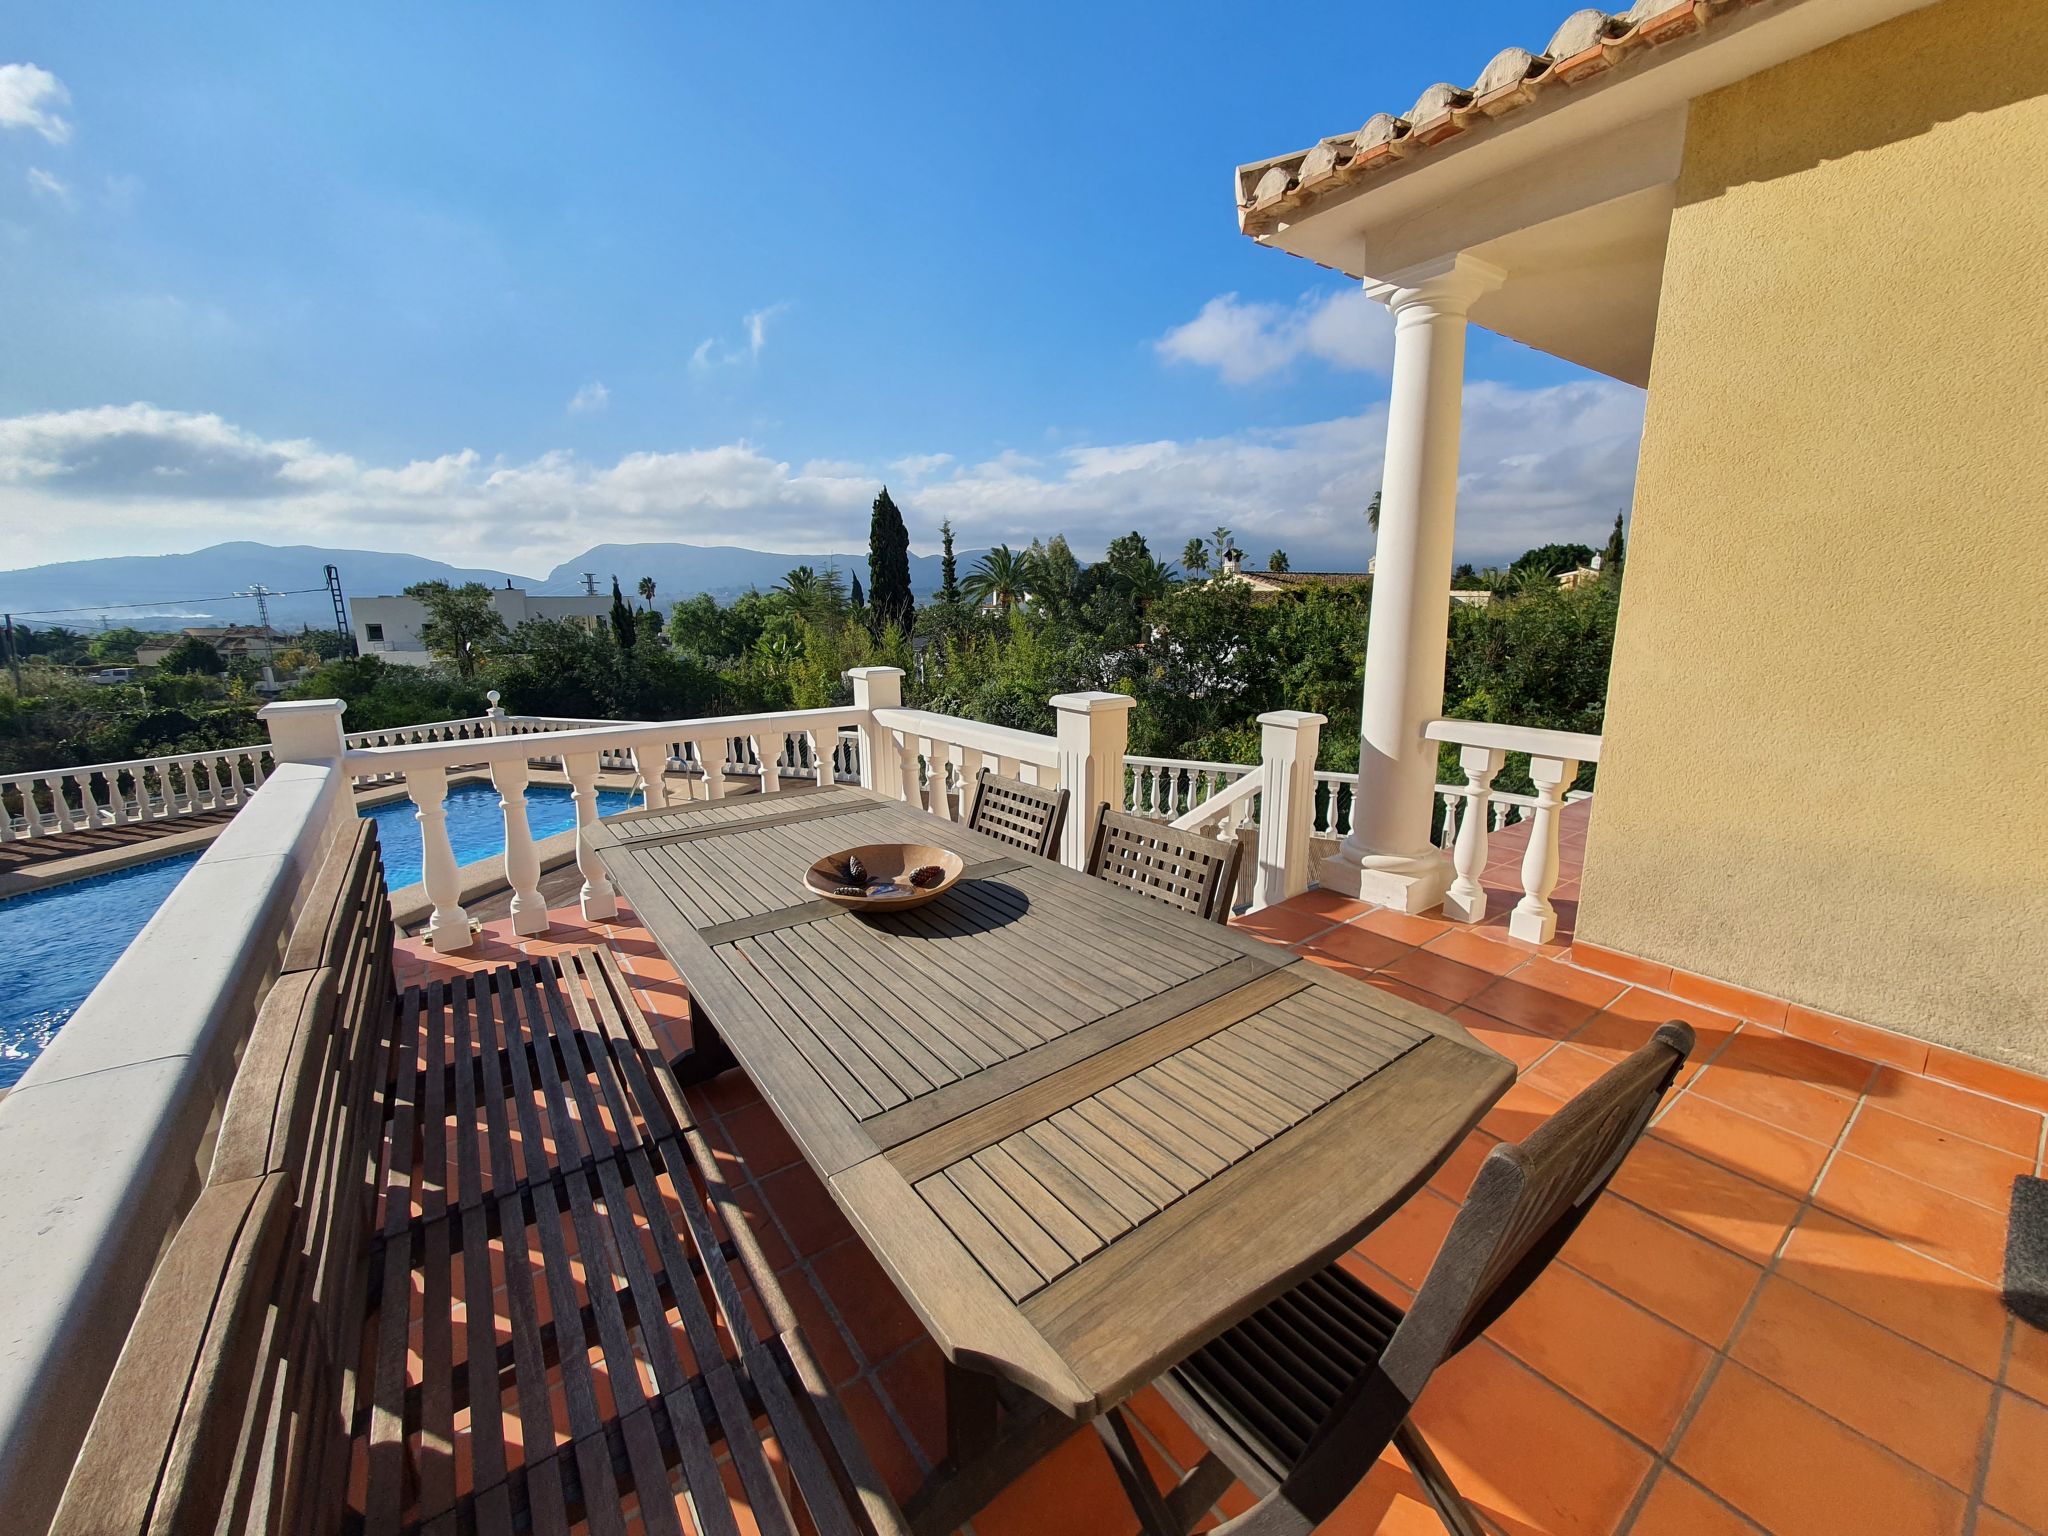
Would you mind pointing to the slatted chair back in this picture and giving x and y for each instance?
(1523, 1207)
(1182, 869)
(1026, 816)
(226, 1410)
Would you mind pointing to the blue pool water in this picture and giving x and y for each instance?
(55, 945)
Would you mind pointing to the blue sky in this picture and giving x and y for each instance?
(502, 282)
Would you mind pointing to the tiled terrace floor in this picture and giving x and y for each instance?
(1782, 1318)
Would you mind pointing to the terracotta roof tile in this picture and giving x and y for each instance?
(1588, 43)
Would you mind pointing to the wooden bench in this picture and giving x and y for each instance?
(463, 1262)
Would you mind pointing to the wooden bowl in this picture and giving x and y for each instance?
(885, 862)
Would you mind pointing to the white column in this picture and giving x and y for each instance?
(877, 688)
(598, 901)
(1093, 730)
(1465, 902)
(1288, 742)
(1534, 918)
(1388, 858)
(448, 928)
(522, 864)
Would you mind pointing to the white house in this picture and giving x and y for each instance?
(390, 626)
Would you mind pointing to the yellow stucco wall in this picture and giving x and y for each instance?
(1825, 770)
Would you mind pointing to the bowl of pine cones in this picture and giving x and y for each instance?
(884, 877)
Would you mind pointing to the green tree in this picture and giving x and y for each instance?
(1054, 575)
(1001, 576)
(193, 657)
(1372, 513)
(889, 593)
(116, 647)
(624, 632)
(1220, 538)
(949, 568)
(859, 599)
(1194, 556)
(647, 590)
(462, 630)
(1550, 559)
(1611, 557)
(1277, 561)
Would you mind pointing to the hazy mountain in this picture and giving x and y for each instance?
(165, 591)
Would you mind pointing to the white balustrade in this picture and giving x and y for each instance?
(46, 802)
(1465, 901)
(448, 928)
(598, 902)
(1554, 759)
(509, 776)
(938, 757)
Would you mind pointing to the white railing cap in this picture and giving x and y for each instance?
(1092, 702)
(1570, 745)
(1002, 740)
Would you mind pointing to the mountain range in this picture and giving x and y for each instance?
(207, 586)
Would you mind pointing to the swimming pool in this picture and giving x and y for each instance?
(55, 945)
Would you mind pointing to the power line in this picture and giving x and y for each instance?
(161, 604)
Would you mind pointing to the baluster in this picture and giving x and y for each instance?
(771, 762)
(448, 929)
(510, 776)
(714, 773)
(956, 770)
(1534, 919)
(907, 767)
(598, 902)
(1465, 902)
(60, 808)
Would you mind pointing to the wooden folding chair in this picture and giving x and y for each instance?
(1183, 869)
(1025, 816)
(1299, 1399)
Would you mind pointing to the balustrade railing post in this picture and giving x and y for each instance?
(653, 786)
(598, 902)
(448, 928)
(1092, 733)
(769, 748)
(1534, 919)
(877, 688)
(495, 715)
(1465, 901)
(509, 776)
(1288, 742)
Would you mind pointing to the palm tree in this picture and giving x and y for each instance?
(1151, 580)
(1372, 513)
(799, 585)
(1195, 556)
(1277, 561)
(647, 590)
(998, 577)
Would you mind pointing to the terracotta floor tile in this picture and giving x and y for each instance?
(1517, 1002)
(885, 1445)
(915, 1382)
(1387, 982)
(774, 1246)
(1440, 975)
(1570, 981)
(1749, 1146)
(2027, 1370)
(1794, 1470)
(1284, 924)
(1992, 1121)
(835, 1356)
(1711, 1028)
(1361, 946)
(1625, 967)
(1526, 1455)
(1678, 1507)
(1487, 954)
(1758, 1050)
(759, 1139)
(1454, 1180)
(1609, 1353)
(1965, 1236)
(1992, 1077)
(2017, 1482)
(1991, 1523)
(1073, 1491)
(1408, 927)
(1738, 1213)
(1910, 1400)
(1405, 1244)
(1520, 1110)
(1567, 1071)
(1332, 906)
(1183, 1446)
(1728, 998)
(1897, 1288)
(812, 1222)
(1524, 1047)
(1934, 1156)
(866, 1299)
(1681, 1277)
(1388, 1503)
(1805, 1109)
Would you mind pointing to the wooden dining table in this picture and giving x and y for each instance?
(1082, 1132)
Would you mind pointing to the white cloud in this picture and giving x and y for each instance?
(917, 466)
(591, 397)
(27, 96)
(711, 353)
(1538, 464)
(43, 184)
(1245, 341)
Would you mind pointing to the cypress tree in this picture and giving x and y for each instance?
(859, 597)
(1610, 558)
(949, 568)
(889, 565)
(624, 630)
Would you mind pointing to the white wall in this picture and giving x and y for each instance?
(402, 618)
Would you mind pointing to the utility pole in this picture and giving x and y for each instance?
(262, 595)
(13, 656)
(590, 583)
(341, 624)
